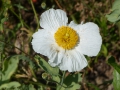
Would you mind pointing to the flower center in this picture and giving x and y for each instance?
(66, 37)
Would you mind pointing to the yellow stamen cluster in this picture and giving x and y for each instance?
(66, 37)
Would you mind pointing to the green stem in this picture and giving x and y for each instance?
(40, 84)
(1, 27)
(62, 80)
(0, 66)
(20, 16)
(57, 83)
(19, 19)
(35, 14)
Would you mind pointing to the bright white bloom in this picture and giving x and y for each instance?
(66, 44)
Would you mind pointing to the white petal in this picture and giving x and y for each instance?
(90, 39)
(73, 61)
(42, 41)
(73, 24)
(53, 19)
(53, 61)
(56, 57)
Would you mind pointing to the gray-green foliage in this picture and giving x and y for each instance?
(45, 66)
(71, 82)
(93, 86)
(116, 80)
(114, 16)
(31, 87)
(5, 4)
(116, 73)
(9, 67)
(2, 45)
(10, 85)
(113, 63)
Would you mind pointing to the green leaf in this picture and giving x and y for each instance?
(116, 5)
(23, 57)
(74, 86)
(93, 86)
(40, 88)
(104, 50)
(20, 6)
(45, 66)
(31, 87)
(114, 16)
(72, 81)
(2, 44)
(3, 20)
(9, 67)
(24, 87)
(10, 85)
(60, 88)
(116, 80)
(112, 62)
(56, 78)
(72, 78)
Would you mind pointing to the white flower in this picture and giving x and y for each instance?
(66, 44)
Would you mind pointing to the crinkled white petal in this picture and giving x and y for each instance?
(72, 24)
(56, 58)
(90, 39)
(73, 61)
(53, 19)
(42, 42)
(75, 26)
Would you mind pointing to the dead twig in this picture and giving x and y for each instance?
(58, 4)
